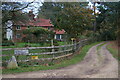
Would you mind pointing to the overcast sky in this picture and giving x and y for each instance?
(36, 5)
(59, 0)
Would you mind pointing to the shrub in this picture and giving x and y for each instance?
(4, 64)
(26, 45)
(6, 42)
(38, 34)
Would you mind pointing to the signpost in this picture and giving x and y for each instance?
(21, 52)
(72, 40)
(34, 57)
(74, 46)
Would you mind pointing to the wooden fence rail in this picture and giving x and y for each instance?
(42, 47)
(62, 51)
(37, 47)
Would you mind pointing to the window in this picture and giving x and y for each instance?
(28, 27)
(57, 36)
(18, 36)
(18, 27)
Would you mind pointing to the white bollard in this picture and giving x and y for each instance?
(12, 63)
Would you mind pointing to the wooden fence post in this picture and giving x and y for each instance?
(53, 50)
(75, 45)
(64, 49)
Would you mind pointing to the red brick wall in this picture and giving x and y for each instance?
(16, 32)
(23, 27)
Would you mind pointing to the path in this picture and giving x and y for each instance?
(96, 64)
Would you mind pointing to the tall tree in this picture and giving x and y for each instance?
(107, 21)
(12, 11)
(74, 18)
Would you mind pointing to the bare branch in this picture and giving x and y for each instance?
(23, 7)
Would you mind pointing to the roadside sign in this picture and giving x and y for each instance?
(72, 39)
(21, 52)
(34, 57)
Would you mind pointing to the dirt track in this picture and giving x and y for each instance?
(97, 64)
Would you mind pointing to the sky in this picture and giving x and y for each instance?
(37, 3)
(36, 6)
(59, 0)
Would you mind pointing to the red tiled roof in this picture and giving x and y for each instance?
(60, 31)
(35, 22)
(38, 22)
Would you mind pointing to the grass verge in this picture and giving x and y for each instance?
(77, 58)
(113, 51)
(98, 47)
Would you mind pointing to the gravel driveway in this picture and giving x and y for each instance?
(96, 64)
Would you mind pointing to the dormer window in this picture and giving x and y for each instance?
(18, 27)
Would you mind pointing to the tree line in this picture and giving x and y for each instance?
(77, 19)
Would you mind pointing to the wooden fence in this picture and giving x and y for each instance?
(41, 54)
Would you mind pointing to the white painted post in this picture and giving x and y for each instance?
(60, 37)
(12, 63)
(55, 37)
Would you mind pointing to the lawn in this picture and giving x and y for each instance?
(63, 43)
(113, 48)
(20, 45)
(77, 58)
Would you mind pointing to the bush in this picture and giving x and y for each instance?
(56, 43)
(4, 64)
(23, 64)
(26, 45)
(6, 42)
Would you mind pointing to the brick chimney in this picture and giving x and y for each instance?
(31, 15)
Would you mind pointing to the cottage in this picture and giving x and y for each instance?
(19, 26)
(59, 34)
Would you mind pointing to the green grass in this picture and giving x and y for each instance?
(98, 47)
(77, 58)
(20, 45)
(63, 43)
(9, 54)
(114, 52)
